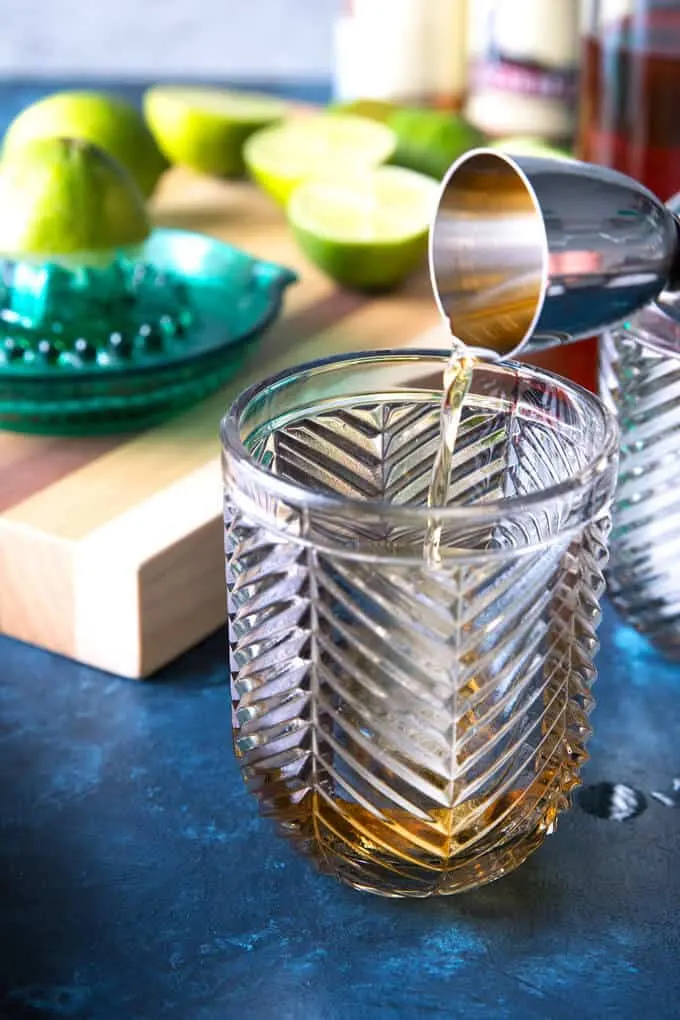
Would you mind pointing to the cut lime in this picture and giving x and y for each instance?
(430, 140)
(60, 197)
(104, 120)
(311, 147)
(369, 231)
(205, 128)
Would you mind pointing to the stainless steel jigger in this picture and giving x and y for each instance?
(527, 252)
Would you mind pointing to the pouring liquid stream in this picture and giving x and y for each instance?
(457, 377)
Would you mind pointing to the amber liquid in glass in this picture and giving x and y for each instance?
(445, 850)
(400, 837)
(630, 99)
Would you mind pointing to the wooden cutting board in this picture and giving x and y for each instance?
(111, 548)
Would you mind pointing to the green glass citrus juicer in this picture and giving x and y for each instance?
(124, 344)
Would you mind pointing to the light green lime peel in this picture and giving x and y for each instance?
(63, 196)
(104, 120)
(205, 128)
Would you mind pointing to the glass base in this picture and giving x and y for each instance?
(397, 861)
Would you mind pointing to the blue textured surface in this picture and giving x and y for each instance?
(140, 882)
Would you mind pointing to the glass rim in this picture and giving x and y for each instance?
(580, 482)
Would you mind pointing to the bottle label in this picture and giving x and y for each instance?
(525, 79)
(524, 66)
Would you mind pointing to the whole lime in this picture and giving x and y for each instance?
(205, 128)
(61, 197)
(104, 120)
(428, 141)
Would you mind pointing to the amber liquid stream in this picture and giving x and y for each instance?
(455, 385)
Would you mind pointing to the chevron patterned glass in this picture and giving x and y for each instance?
(643, 388)
(414, 729)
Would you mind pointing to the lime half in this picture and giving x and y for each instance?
(368, 232)
(64, 197)
(205, 128)
(316, 146)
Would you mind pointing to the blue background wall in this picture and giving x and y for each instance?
(141, 38)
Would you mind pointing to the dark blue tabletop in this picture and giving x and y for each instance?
(140, 884)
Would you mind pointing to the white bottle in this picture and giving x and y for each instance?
(523, 67)
(411, 51)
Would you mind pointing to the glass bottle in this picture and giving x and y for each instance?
(404, 51)
(630, 88)
(523, 58)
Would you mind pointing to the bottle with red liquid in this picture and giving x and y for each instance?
(629, 119)
(630, 90)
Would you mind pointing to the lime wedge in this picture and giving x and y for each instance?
(307, 148)
(369, 231)
(205, 128)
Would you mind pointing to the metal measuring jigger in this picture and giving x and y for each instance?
(527, 252)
